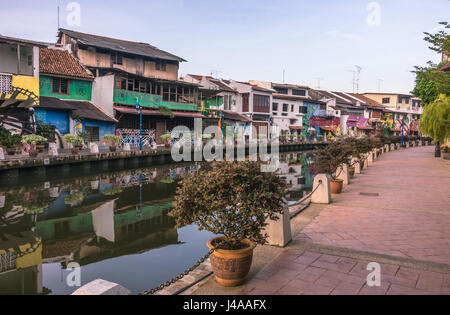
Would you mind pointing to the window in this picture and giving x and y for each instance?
(160, 65)
(117, 59)
(245, 102)
(285, 107)
(281, 90)
(386, 100)
(303, 110)
(261, 103)
(94, 134)
(5, 83)
(275, 107)
(299, 92)
(292, 108)
(60, 86)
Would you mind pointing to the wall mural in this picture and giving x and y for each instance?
(131, 136)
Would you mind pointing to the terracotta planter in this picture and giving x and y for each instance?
(112, 148)
(336, 186)
(351, 171)
(33, 153)
(10, 151)
(231, 267)
(75, 151)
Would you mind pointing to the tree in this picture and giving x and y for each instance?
(435, 121)
(430, 82)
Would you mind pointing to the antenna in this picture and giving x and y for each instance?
(284, 75)
(58, 20)
(379, 84)
(318, 82)
(215, 73)
(356, 78)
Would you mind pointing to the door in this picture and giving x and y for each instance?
(160, 130)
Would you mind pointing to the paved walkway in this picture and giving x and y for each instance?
(405, 228)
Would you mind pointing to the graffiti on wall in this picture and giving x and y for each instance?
(131, 136)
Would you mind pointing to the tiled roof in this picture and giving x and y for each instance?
(445, 67)
(367, 100)
(61, 63)
(124, 46)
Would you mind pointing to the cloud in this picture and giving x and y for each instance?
(339, 34)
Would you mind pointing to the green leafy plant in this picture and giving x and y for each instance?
(435, 121)
(112, 140)
(233, 199)
(166, 137)
(33, 139)
(112, 191)
(44, 130)
(10, 141)
(73, 140)
(330, 158)
(74, 199)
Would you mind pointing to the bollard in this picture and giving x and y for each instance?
(407, 144)
(127, 147)
(322, 194)
(366, 163)
(357, 165)
(102, 287)
(279, 231)
(392, 147)
(374, 155)
(342, 173)
(369, 158)
(94, 148)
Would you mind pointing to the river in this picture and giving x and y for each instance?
(115, 225)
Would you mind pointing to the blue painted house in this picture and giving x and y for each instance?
(66, 97)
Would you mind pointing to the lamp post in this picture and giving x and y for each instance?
(139, 108)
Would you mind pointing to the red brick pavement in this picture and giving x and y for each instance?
(409, 219)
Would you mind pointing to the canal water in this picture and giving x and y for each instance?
(115, 225)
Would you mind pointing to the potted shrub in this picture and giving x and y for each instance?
(10, 143)
(47, 131)
(113, 141)
(233, 199)
(329, 159)
(75, 141)
(446, 153)
(32, 141)
(167, 139)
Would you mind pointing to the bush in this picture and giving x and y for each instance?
(166, 137)
(33, 139)
(73, 140)
(112, 140)
(330, 158)
(44, 130)
(233, 199)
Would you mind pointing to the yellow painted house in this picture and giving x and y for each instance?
(19, 80)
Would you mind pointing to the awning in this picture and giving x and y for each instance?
(365, 128)
(396, 130)
(234, 116)
(55, 103)
(296, 128)
(327, 129)
(154, 112)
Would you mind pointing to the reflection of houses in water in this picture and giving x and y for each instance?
(20, 262)
(105, 233)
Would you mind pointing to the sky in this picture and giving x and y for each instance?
(308, 41)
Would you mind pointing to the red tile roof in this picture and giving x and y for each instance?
(445, 67)
(61, 63)
(367, 100)
(155, 112)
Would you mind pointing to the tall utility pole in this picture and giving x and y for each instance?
(379, 84)
(58, 19)
(215, 73)
(284, 75)
(318, 82)
(357, 77)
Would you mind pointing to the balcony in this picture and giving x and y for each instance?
(126, 97)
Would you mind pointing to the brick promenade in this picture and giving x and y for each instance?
(405, 228)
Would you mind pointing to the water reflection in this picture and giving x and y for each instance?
(115, 225)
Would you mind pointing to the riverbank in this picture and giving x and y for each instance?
(403, 228)
(15, 166)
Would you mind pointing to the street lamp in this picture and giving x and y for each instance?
(139, 109)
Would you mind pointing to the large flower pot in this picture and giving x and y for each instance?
(231, 267)
(40, 147)
(75, 151)
(10, 151)
(351, 171)
(336, 186)
(112, 148)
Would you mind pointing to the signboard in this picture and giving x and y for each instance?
(93, 147)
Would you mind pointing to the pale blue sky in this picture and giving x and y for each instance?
(257, 39)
